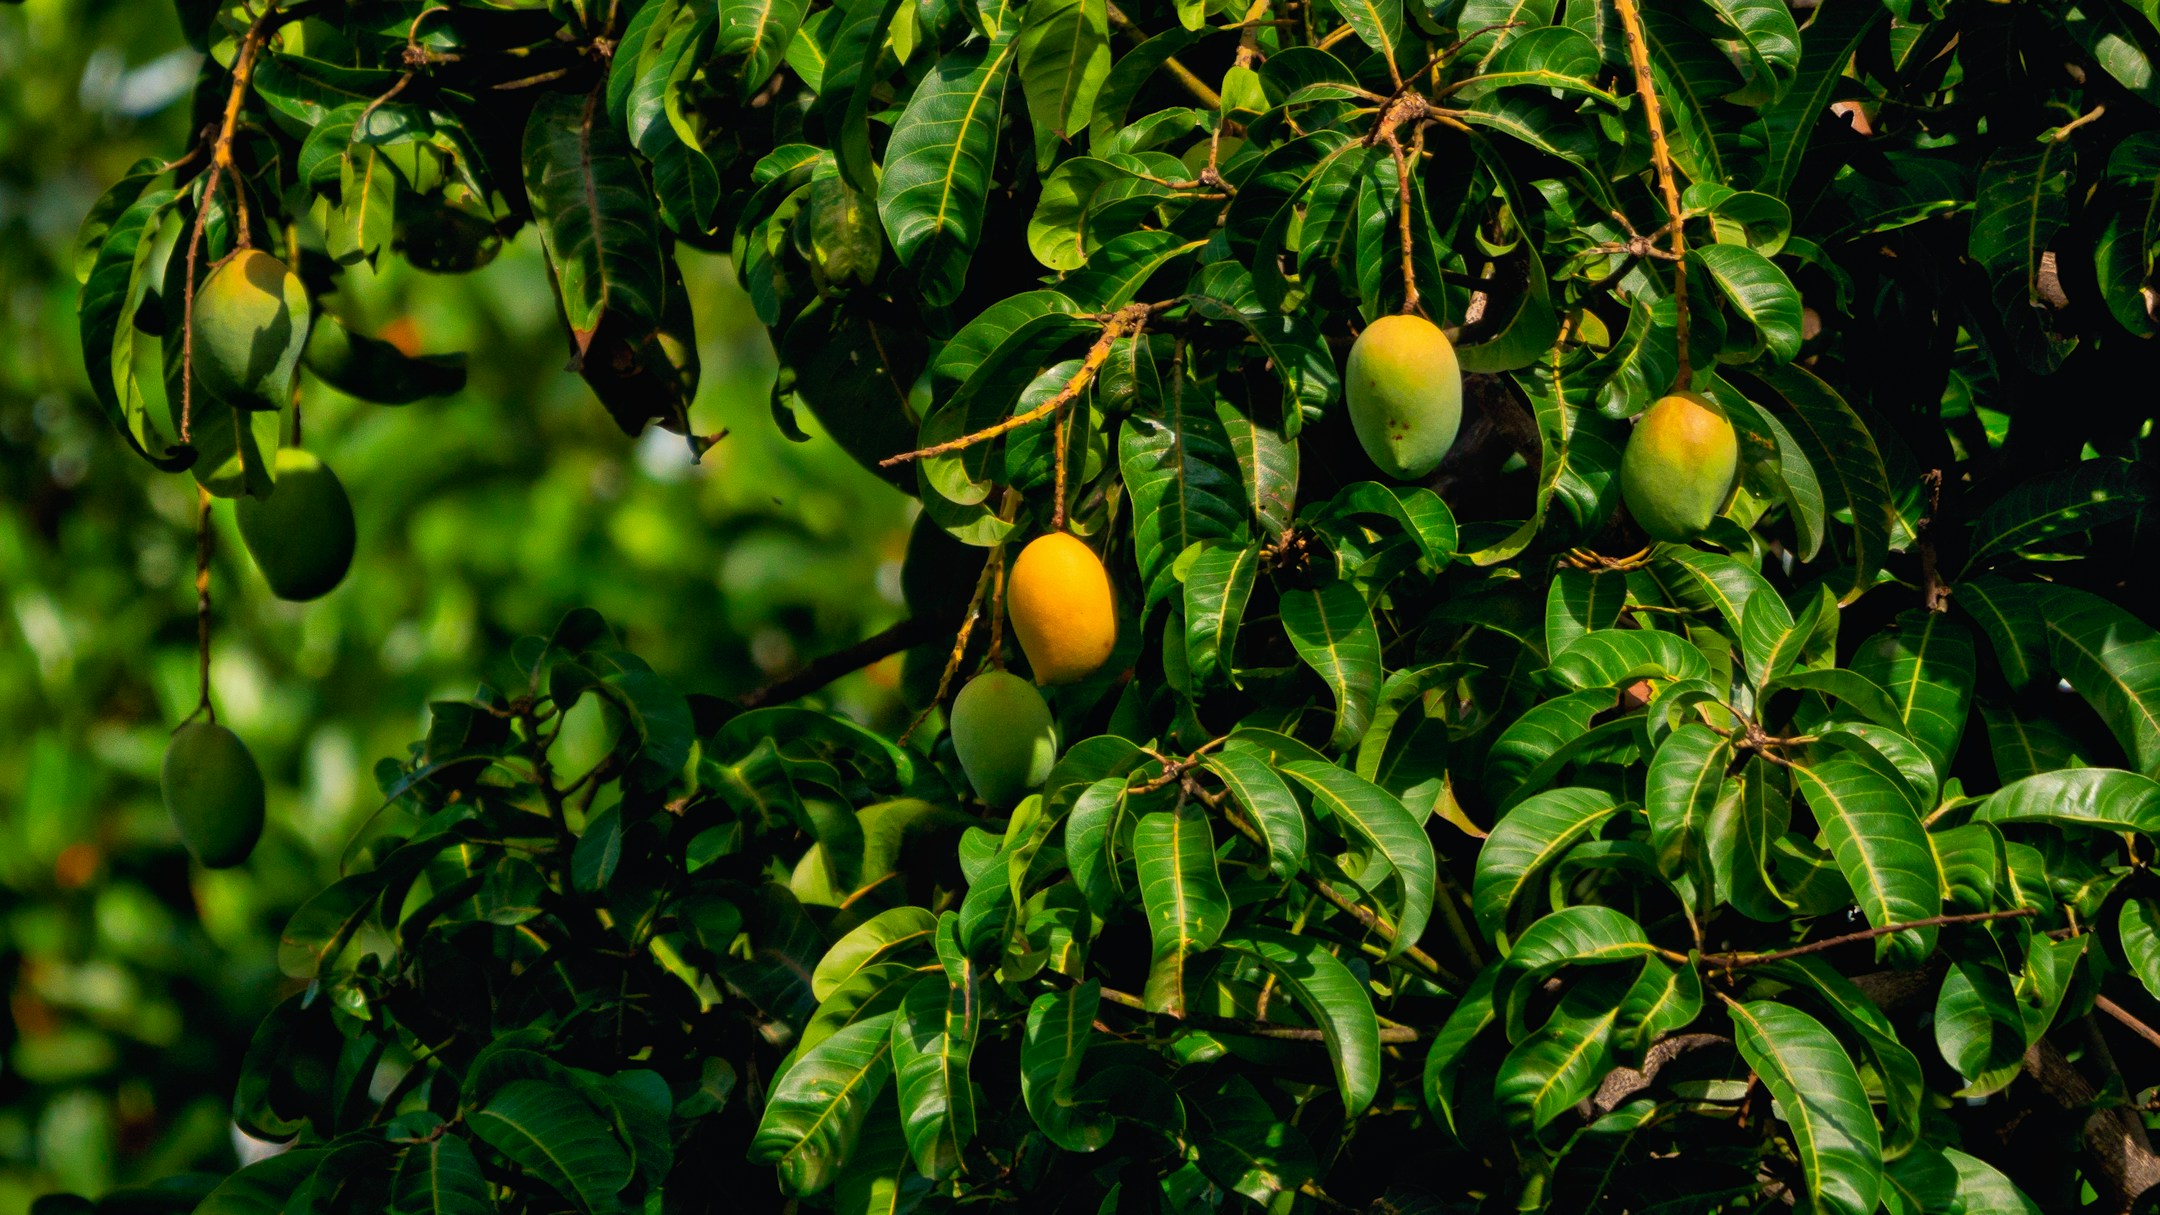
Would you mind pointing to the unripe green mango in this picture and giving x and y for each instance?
(1405, 393)
(301, 536)
(250, 323)
(214, 792)
(1002, 732)
(1679, 467)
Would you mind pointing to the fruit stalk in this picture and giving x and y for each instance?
(1661, 156)
(202, 607)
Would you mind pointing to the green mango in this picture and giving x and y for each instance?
(214, 792)
(1405, 393)
(250, 323)
(1002, 731)
(1680, 467)
(301, 535)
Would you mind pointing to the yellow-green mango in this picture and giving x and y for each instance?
(1405, 393)
(251, 323)
(1001, 730)
(301, 535)
(1062, 609)
(1679, 467)
(214, 792)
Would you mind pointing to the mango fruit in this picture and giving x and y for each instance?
(301, 535)
(251, 323)
(1679, 467)
(1001, 730)
(214, 792)
(1405, 393)
(1058, 596)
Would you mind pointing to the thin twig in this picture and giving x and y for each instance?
(1256, 1029)
(203, 707)
(821, 671)
(2121, 1014)
(1661, 156)
(1128, 321)
(1729, 961)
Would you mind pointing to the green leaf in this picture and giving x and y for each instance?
(1332, 630)
(1217, 587)
(1064, 58)
(1379, 23)
(757, 32)
(1855, 691)
(2023, 202)
(815, 1109)
(595, 216)
(1838, 446)
(1896, 1068)
(1580, 601)
(2009, 613)
(1245, 772)
(1759, 290)
(1818, 1091)
(1562, 1061)
(938, 165)
(1187, 908)
(1588, 935)
(1826, 48)
(1925, 663)
(2109, 799)
(1983, 1191)
(1525, 842)
(933, 1043)
(441, 1177)
(2129, 245)
(2068, 503)
(2025, 747)
(1335, 1000)
(1059, 1026)
(553, 1133)
(1378, 819)
(360, 225)
(1551, 57)
(1611, 658)
(265, 1187)
(1184, 483)
(2138, 928)
(1867, 817)
(112, 291)
(1523, 757)
(1686, 778)
(1703, 581)
(890, 935)
(2113, 660)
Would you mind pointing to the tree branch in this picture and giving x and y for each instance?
(1661, 156)
(821, 671)
(1731, 961)
(1256, 1029)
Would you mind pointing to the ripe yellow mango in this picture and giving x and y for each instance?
(1001, 730)
(1062, 610)
(1679, 467)
(1405, 393)
(251, 322)
(301, 535)
(214, 792)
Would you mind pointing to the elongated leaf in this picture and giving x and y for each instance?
(2023, 202)
(112, 291)
(937, 166)
(1611, 658)
(758, 32)
(2062, 504)
(816, 1109)
(1925, 663)
(2106, 798)
(595, 216)
(1525, 842)
(2113, 659)
(1826, 48)
(1895, 1066)
(1844, 455)
(1333, 632)
(1759, 291)
(1184, 483)
(933, 1043)
(555, 1134)
(1563, 1060)
(1580, 601)
(1187, 908)
(1686, 778)
(1216, 589)
(1868, 819)
(1064, 50)
(884, 937)
(1818, 1090)
(1379, 23)
(1329, 994)
(1059, 1026)
(1245, 771)
(1376, 817)
(2138, 928)
(441, 1177)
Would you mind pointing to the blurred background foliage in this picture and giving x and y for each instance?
(133, 982)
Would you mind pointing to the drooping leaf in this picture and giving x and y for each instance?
(1818, 1090)
(1329, 994)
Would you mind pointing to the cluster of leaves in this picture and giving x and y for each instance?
(1422, 845)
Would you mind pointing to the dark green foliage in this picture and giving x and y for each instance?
(1419, 846)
